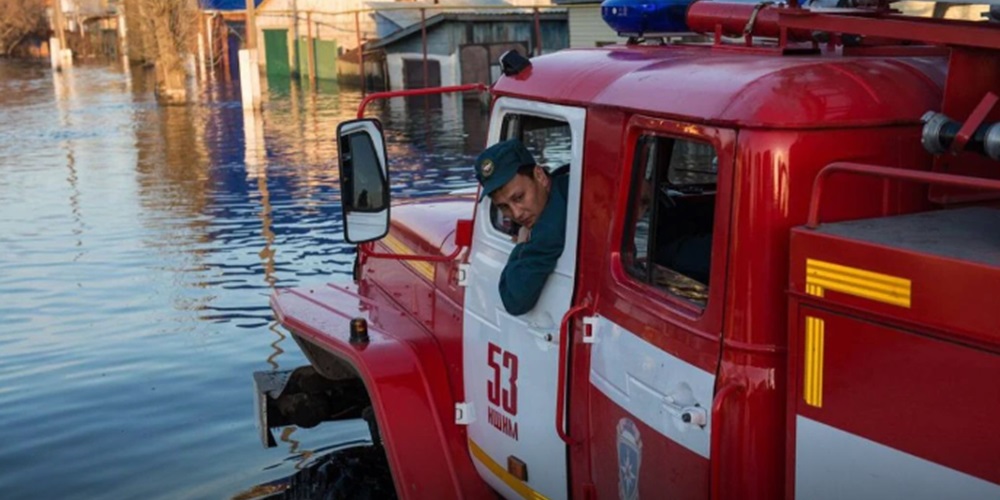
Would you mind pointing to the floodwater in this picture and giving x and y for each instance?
(138, 247)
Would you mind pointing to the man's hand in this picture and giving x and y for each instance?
(523, 234)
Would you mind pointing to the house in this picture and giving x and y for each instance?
(296, 35)
(463, 46)
(586, 28)
(90, 27)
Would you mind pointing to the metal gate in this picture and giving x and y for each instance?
(276, 52)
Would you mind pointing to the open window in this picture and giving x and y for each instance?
(668, 233)
(550, 143)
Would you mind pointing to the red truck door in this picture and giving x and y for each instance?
(656, 332)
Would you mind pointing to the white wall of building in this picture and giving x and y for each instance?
(587, 29)
(449, 68)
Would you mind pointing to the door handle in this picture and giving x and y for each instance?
(682, 405)
(693, 415)
(561, 380)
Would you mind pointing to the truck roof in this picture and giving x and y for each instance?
(737, 88)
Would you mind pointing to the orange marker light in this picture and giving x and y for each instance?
(517, 468)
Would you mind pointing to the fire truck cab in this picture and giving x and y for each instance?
(780, 274)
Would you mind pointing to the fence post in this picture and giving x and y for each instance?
(210, 39)
(311, 49)
(423, 38)
(202, 65)
(361, 52)
(538, 34)
(224, 32)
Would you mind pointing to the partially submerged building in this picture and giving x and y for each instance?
(586, 28)
(296, 35)
(463, 37)
(461, 46)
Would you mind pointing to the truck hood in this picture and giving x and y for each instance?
(427, 226)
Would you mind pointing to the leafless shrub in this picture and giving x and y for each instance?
(20, 18)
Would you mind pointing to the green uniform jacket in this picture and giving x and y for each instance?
(531, 262)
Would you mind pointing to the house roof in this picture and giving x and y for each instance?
(408, 13)
(519, 15)
(405, 32)
(399, 17)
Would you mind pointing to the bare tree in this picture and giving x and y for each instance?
(20, 18)
(140, 40)
(172, 23)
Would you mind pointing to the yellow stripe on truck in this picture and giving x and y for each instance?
(812, 384)
(822, 276)
(499, 471)
(424, 268)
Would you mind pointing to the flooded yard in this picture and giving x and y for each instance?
(139, 247)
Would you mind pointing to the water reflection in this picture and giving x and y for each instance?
(140, 245)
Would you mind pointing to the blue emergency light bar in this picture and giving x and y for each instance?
(645, 17)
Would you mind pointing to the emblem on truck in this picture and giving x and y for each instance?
(629, 459)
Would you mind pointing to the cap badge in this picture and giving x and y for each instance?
(486, 168)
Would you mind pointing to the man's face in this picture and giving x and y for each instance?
(524, 197)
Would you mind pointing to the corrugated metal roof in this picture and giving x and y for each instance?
(401, 18)
(485, 15)
(408, 13)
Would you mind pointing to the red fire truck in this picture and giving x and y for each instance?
(781, 275)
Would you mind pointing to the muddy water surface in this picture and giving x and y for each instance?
(138, 247)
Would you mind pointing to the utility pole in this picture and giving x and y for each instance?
(251, 25)
(58, 53)
(249, 63)
(295, 37)
(59, 17)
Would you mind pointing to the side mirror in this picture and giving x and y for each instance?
(364, 180)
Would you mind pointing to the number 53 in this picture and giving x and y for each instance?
(505, 397)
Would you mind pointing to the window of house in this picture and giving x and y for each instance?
(668, 234)
(550, 143)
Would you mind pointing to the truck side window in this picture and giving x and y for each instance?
(668, 233)
(549, 141)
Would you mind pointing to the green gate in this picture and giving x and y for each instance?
(325, 52)
(276, 52)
